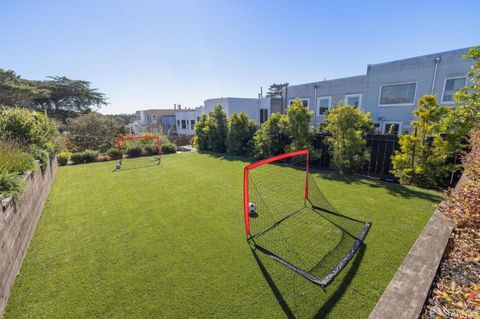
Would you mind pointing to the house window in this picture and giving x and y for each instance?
(451, 86)
(324, 103)
(304, 100)
(392, 127)
(263, 115)
(192, 123)
(184, 124)
(354, 100)
(178, 123)
(398, 94)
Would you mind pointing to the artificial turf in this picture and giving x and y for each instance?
(168, 241)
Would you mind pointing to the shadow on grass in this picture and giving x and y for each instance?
(393, 189)
(329, 304)
(228, 157)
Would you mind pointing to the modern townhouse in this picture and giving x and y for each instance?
(390, 90)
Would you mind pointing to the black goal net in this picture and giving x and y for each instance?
(288, 218)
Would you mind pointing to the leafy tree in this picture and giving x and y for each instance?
(298, 126)
(61, 97)
(15, 91)
(347, 126)
(240, 134)
(124, 118)
(272, 137)
(93, 131)
(276, 90)
(200, 140)
(422, 157)
(468, 98)
(69, 97)
(217, 129)
(28, 127)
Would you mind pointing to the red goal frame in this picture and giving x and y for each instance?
(248, 168)
(131, 138)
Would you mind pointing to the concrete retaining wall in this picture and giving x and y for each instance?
(18, 220)
(406, 294)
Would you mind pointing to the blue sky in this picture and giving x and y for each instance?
(151, 54)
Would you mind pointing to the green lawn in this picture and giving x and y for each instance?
(168, 242)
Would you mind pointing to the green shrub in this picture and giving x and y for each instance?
(42, 156)
(347, 126)
(151, 150)
(423, 158)
(29, 127)
(113, 153)
(134, 151)
(77, 158)
(63, 158)
(200, 141)
(13, 159)
(240, 134)
(11, 185)
(272, 137)
(169, 148)
(90, 156)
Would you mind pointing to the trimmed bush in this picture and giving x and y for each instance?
(134, 151)
(77, 158)
(169, 149)
(11, 185)
(13, 159)
(151, 150)
(63, 158)
(90, 156)
(113, 153)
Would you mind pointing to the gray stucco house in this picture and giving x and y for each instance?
(390, 90)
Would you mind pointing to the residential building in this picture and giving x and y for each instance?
(153, 121)
(258, 109)
(389, 90)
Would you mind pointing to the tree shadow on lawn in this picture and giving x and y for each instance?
(397, 190)
(329, 304)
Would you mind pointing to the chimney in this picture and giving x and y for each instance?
(174, 106)
(179, 107)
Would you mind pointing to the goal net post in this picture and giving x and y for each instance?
(288, 218)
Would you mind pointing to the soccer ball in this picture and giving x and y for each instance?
(252, 210)
(118, 165)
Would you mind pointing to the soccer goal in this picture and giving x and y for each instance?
(288, 218)
(158, 148)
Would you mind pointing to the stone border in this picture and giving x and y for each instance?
(18, 220)
(405, 295)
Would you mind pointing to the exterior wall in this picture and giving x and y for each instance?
(420, 70)
(250, 106)
(168, 123)
(336, 89)
(186, 116)
(17, 225)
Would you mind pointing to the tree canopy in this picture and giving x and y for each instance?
(59, 96)
(276, 90)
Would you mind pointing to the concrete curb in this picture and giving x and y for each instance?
(406, 293)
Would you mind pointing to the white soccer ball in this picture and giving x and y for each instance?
(118, 165)
(252, 209)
